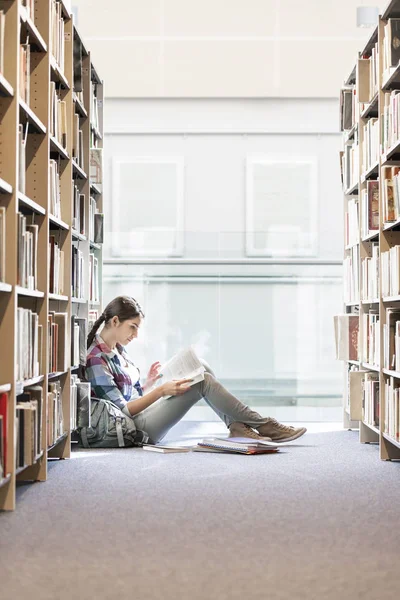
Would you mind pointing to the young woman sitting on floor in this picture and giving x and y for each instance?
(114, 377)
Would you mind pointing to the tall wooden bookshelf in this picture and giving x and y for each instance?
(370, 160)
(42, 45)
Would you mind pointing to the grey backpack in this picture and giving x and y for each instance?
(109, 428)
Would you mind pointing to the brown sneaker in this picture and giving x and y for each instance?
(245, 431)
(280, 433)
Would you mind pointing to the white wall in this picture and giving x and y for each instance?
(222, 48)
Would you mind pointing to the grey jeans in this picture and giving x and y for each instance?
(158, 418)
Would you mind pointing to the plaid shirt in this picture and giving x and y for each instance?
(108, 378)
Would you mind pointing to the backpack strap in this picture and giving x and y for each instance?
(120, 435)
(84, 439)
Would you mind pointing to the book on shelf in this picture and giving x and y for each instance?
(370, 208)
(352, 231)
(391, 45)
(2, 243)
(370, 146)
(79, 333)
(94, 115)
(29, 344)
(93, 278)
(58, 115)
(391, 194)
(390, 120)
(390, 272)
(2, 39)
(370, 274)
(347, 108)
(78, 211)
(351, 283)
(80, 403)
(98, 228)
(28, 431)
(370, 400)
(371, 337)
(28, 233)
(55, 414)
(392, 413)
(77, 146)
(22, 142)
(35, 393)
(25, 71)
(389, 338)
(78, 68)
(78, 264)
(346, 336)
(96, 165)
(368, 84)
(59, 354)
(4, 430)
(93, 316)
(350, 164)
(57, 36)
(55, 189)
(354, 391)
(56, 267)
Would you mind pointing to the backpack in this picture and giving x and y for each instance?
(110, 428)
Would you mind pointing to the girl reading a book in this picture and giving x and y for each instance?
(155, 409)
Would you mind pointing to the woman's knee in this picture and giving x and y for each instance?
(207, 367)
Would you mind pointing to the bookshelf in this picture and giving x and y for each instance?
(368, 331)
(51, 118)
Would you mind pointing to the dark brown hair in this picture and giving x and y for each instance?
(123, 307)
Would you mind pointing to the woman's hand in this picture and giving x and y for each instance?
(176, 387)
(153, 375)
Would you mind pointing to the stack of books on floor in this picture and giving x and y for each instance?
(228, 446)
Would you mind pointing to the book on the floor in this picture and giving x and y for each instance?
(250, 442)
(184, 365)
(165, 449)
(235, 447)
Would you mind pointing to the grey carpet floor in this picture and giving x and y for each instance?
(319, 520)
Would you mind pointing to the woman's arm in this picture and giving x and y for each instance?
(171, 388)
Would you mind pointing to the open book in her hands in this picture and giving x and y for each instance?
(184, 365)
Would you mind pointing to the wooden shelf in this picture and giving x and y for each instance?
(79, 236)
(350, 246)
(55, 147)
(391, 440)
(371, 367)
(350, 134)
(6, 387)
(57, 375)
(372, 172)
(391, 225)
(79, 300)
(58, 297)
(57, 75)
(60, 439)
(352, 190)
(5, 287)
(354, 362)
(372, 109)
(74, 368)
(96, 131)
(21, 291)
(94, 74)
(58, 222)
(94, 303)
(78, 171)
(390, 373)
(21, 469)
(6, 88)
(21, 385)
(5, 188)
(349, 304)
(27, 114)
(371, 236)
(372, 428)
(95, 246)
(94, 187)
(5, 481)
(35, 38)
(26, 202)
(391, 299)
(392, 81)
(79, 108)
(367, 302)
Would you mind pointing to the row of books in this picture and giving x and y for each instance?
(390, 266)
(391, 120)
(95, 222)
(25, 71)
(94, 116)
(2, 243)
(79, 333)
(351, 223)
(29, 344)
(28, 233)
(56, 267)
(78, 211)
(371, 74)
(346, 336)
(77, 144)
(351, 287)
(371, 338)
(57, 33)
(96, 165)
(350, 165)
(391, 194)
(348, 108)
(55, 413)
(392, 412)
(370, 208)
(29, 410)
(78, 266)
(370, 398)
(370, 275)
(55, 189)
(391, 46)
(58, 115)
(370, 146)
(2, 39)
(59, 354)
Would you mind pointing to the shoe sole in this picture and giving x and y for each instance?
(296, 435)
